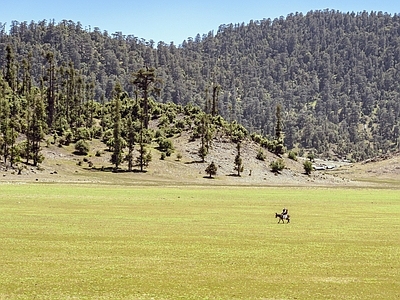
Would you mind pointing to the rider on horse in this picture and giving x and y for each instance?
(284, 213)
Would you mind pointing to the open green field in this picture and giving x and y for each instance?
(108, 242)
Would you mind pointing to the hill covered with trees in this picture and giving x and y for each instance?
(335, 76)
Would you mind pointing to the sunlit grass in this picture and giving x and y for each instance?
(107, 242)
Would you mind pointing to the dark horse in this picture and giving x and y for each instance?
(282, 218)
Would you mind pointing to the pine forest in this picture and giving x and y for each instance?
(324, 82)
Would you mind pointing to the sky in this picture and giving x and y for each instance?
(173, 21)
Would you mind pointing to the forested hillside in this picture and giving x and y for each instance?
(336, 75)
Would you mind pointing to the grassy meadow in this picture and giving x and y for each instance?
(66, 241)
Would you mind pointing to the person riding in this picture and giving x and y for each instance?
(284, 213)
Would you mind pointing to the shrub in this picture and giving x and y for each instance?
(311, 156)
(171, 116)
(165, 144)
(169, 152)
(279, 148)
(308, 167)
(170, 131)
(97, 132)
(69, 137)
(188, 121)
(82, 147)
(61, 142)
(256, 138)
(292, 155)
(108, 134)
(164, 121)
(157, 112)
(83, 133)
(260, 154)
(180, 124)
(159, 133)
(147, 158)
(40, 158)
(277, 165)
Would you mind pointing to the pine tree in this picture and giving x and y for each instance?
(27, 78)
(144, 155)
(90, 104)
(37, 126)
(238, 160)
(131, 140)
(145, 80)
(211, 169)
(50, 89)
(202, 150)
(14, 127)
(206, 136)
(216, 89)
(10, 73)
(279, 145)
(70, 95)
(278, 127)
(10, 107)
(207, 102)
(4, 119)
(116, 157)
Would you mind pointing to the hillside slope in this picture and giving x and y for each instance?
(61, 165)
(382, 170)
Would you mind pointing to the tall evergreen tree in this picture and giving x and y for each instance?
(238, 160)
(118, 144)
(27, 77)
(278, 127)
(50, 89)
(37, 125)
(206, 135)
(279, 144)
(4, 119)
(10, 69)
(130, 140)
(216, 89)
(145, 80)
(14, 126)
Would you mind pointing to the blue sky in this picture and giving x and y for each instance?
(172, 20)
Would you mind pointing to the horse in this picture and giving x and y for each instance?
(282, 218)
